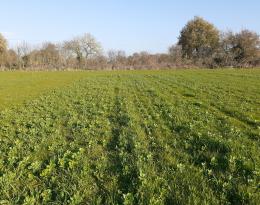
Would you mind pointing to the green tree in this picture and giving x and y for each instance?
(198, 39)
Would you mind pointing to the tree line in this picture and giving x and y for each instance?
(200, 44)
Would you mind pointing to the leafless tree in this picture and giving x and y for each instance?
(117, 59)
(83, 47)
(90, 46)
(23, 50)
(3, 50)
(3, 44)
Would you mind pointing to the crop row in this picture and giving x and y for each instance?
(130, 139)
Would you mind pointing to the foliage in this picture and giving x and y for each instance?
(244, 46)
(198, 38)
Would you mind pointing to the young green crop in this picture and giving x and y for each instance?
(146, 137)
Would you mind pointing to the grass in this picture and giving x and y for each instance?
(134, 137)
(16, 87)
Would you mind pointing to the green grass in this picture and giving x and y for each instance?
(135, 137)
(16, 87)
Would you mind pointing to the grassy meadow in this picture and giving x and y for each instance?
(130, 137)
(17, 87)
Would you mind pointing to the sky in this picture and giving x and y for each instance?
(130, 25)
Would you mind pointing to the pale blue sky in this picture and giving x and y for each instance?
(130, 25)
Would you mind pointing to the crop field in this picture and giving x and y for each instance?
(15, 87)
(133, 137)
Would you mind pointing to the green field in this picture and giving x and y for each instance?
(16, 87)
(133, 137)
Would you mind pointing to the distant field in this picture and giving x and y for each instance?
(16, 87)
(133, 137)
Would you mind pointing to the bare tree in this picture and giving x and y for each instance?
(50, 55)
(83, 47)
(73, 49)
(116, 58)
(3, 44)
(11, 59)
(3, 50)
(90, 46)
(23, 50)
(175, 52)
